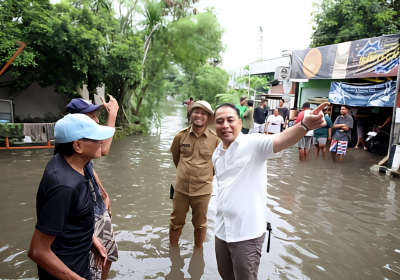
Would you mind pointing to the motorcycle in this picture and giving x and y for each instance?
(377, 141)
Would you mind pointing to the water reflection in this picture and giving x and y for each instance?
(196, 264)
(330, 221)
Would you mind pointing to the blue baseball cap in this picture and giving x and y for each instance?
(73, 127)
(79, 105)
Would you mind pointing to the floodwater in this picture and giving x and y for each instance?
(330, 221)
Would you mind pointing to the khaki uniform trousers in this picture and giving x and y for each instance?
(199, 205)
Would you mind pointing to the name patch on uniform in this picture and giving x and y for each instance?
(186, 145)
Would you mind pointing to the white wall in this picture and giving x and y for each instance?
(100, 93)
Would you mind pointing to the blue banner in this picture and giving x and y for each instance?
(374, 95)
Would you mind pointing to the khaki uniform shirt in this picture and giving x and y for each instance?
(192, 157)
(247, 118)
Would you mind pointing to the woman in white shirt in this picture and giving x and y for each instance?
(273, 123)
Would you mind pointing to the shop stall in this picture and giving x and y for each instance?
(362, 74)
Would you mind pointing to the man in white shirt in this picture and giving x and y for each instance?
(274, 123)
(240, 169)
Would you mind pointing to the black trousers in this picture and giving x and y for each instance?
(245, 130)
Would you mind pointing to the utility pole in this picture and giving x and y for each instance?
(260, 43)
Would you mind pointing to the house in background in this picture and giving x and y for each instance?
(39, 105)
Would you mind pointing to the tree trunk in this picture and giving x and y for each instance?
(140, 99)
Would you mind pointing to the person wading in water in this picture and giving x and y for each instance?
(240, 168)
(191, 151)
(103, 237)
(66, 200)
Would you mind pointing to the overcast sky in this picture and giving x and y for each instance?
(286, 25)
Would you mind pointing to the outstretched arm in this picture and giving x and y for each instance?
(312, 120)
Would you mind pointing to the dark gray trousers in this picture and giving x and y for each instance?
(239, 260)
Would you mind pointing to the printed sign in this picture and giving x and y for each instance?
(366, 58)
(374, 95)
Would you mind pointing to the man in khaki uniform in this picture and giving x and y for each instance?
(192, 150)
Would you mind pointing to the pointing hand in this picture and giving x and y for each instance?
(314, 119)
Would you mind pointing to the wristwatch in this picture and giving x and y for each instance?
(303, 126)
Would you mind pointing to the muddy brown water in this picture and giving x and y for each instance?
(330, 221)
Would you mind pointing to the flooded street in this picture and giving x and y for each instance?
(330, 221)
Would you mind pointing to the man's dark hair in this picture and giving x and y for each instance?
(306, 105)
(190, 98)
(228, 105)
(346, 106)
(250, 103)
(65, 149)
(264, 100)
(242, 98)
(282, 100)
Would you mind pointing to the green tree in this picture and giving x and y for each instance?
(187, 41)
(206, 83)
(19, 18)
(79, 42)
(231, 96)
(258, 83)
(63, 43)
(336, 21)
(120, 67)
(69, 45)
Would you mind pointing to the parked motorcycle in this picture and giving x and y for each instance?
(377, 141)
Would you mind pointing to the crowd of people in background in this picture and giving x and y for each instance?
(258, 119)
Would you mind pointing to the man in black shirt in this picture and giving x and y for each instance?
(104, 238)
(260, 114)
(284, 112)
(65, 201)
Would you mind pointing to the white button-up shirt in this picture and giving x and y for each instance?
(241, 174)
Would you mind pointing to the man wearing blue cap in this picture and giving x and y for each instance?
(81, 106)
(65, 201)
(103, 238)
